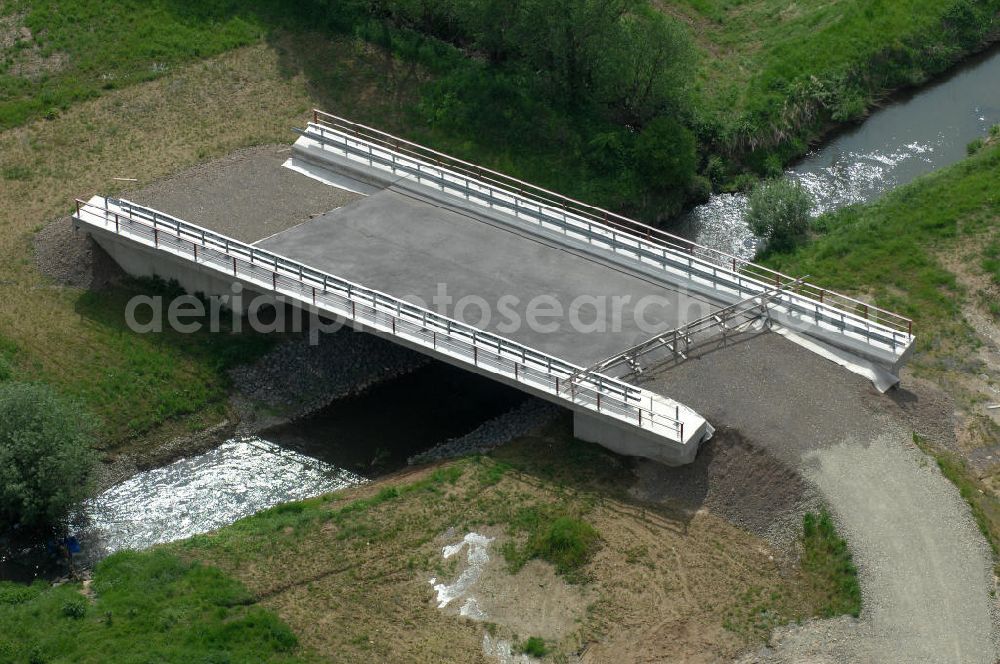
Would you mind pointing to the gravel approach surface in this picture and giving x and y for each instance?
(246, 195)
(925, 569)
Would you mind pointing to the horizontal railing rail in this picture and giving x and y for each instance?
(598, 226)
(380, 311)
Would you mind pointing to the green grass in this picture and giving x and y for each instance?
(162, 376)
(991, 261)
(890, 249)
(147, 607)
(535, 647)
(565, 541)
(776, 73)
(95, 45)
(984, 505)
(827, 564)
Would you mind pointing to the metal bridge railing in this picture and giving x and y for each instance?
(382, 312)
(608, 230)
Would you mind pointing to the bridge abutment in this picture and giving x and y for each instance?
(633, 441)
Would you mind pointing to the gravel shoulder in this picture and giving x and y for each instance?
(227, 195)
(924, 567)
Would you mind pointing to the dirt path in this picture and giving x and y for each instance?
(924, 567)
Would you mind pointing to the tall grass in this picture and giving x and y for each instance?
(827, 565)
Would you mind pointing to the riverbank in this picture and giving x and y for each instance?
(359, 575)
(775, 79)
(926, 249)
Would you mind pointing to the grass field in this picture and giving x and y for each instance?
(78, 341)
(141, 607)
(775, 73)
(345, 577)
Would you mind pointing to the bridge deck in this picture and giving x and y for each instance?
(410, 248)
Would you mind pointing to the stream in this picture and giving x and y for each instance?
(914, 135)
(357, 438)
(347, 443)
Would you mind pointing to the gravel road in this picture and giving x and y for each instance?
(924, 567)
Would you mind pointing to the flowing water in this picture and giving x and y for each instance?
(912, 136)
(340, 446)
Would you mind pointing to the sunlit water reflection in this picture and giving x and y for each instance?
(202, 493)
(897, 144)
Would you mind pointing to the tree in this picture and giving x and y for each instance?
(45, 457)
(666, 154)
(779, 213)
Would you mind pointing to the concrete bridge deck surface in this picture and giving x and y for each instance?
(407, 246)
(414, 249)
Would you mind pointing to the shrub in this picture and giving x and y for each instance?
(666, 154)
(45, 459)
(74, 608)
(535, 647)
(566, 542)
(779, 213)
(974, 146)
(700, 189)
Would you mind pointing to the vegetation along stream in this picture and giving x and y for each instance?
(912, 136)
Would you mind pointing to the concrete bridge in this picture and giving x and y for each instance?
(433, 248)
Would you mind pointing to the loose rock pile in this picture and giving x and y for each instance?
(528, 416)
(298, 378)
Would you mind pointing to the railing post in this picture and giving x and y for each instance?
(314, 296)
(234, 265)
(117, 231)
(195, 247)
(274, 281)
(156, 238)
